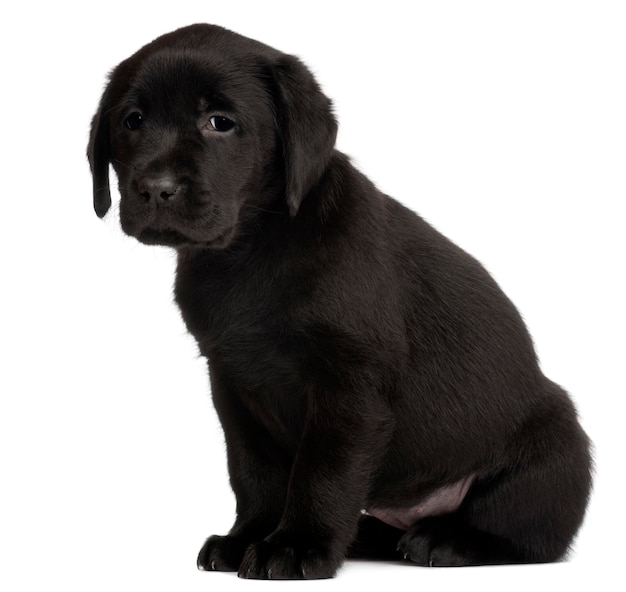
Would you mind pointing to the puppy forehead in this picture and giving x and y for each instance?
(199, 80)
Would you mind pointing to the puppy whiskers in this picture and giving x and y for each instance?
(125, 165)
(259, 209)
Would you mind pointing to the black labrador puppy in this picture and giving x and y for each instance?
(380, 396)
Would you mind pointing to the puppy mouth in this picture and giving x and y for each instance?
(164, 237)
(168, 237)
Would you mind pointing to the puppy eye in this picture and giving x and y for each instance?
(219, 123)
(134, 121)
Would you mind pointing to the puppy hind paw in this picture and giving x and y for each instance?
(433, 544)
(415, 549)
(445, 555)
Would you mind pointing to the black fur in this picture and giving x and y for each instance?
(358, 359)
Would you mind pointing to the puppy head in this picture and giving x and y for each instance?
(201, 124)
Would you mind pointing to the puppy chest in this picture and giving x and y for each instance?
(267, 381)
(256, 359)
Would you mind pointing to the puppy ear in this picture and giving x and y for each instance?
(306, 126)
(99, 155)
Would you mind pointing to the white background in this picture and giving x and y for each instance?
(502, 123)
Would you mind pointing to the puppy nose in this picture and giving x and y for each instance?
(159, 188)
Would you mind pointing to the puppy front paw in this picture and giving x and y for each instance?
(221, 553)
(271, 561)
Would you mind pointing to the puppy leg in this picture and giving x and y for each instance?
(528, 513)
(260, 500)
(259, 480)
(259, 507)
(327, 489)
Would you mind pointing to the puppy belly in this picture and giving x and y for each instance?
(441, 501)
